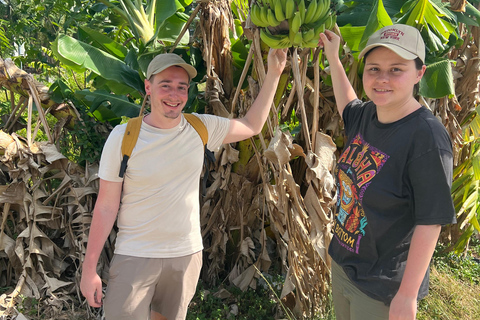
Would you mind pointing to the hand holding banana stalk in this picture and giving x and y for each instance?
(330, 42)
(286, 23)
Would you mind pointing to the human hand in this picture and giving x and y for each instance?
(403, 307)
(277, 58)
(91, 287)
(330, 42)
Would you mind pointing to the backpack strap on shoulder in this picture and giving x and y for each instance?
(208, 157)
(129, 140)
(198, 125)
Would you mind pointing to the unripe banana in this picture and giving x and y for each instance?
(310, 44)
(289, 8)
(279, 15)
(317, 23)
(319, 29)
(272, 4)
(330, 23)
(308, 35)
(296, 22)
(311, 10)
(255, 16)
(323, 7)
(285, 42)
(272, 21)
(301, 9)
(297, 40)
(264, 14)
(291, 35)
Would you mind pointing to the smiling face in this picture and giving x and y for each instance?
(168, 92)
(388, 80)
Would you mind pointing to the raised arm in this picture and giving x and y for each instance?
(342, 88)
(104, 215)
(252, 123)
(424, 240)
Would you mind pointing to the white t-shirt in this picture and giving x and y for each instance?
(159, 215)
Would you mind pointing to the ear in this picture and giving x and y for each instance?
(147, 86)
(420, 73)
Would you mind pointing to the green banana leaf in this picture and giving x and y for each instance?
(378, 19)
(355, 13)
(475, 126)
(472, 10)
(4, 41)
(352, 36)
(165, 9)
(132, 59)
(171, 28)
(184, 3)
(476, 166)
(59, 91)
(81, 56)
(438, 80)
(106, 106)
(102, 41)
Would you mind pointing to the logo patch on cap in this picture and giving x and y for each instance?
(393, 34)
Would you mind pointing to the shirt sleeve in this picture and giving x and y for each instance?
(430, 176)
(351, 114)
(112, 155)
(217, 128)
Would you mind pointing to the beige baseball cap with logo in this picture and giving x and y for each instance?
(406, 41)
(166, 60)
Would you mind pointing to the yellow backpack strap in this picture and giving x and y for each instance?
(198, 125)
(208, 156)
(129, 141)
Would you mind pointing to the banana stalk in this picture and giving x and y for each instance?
(282, 85)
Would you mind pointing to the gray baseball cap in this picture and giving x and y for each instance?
(406, 41)
(166, 60)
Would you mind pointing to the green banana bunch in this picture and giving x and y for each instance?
(278, 41)
(306, 20)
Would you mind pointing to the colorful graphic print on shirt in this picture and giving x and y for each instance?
(357, 166)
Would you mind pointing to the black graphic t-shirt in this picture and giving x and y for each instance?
(390, 178)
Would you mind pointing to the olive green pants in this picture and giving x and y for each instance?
(352, 304)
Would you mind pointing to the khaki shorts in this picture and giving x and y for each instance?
(352, 304)
(138, 285)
